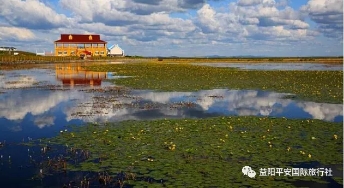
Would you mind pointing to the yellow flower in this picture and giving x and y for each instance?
(335, 136)
(309, 155)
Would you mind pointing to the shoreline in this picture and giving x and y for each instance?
(10, 60)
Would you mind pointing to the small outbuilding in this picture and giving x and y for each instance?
(115, 50)
(8, 48)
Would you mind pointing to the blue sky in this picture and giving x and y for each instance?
(181, 27)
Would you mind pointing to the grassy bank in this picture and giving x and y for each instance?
(320, 86)
(29, 58)
(205, 152)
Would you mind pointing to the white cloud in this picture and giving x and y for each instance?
(180, 26)
(16, 33)
(206, 16)
(255, 2)
(328, 14)
(32, 14)
(263, 21)
(325, 7)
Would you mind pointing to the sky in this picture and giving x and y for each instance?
(180, 27)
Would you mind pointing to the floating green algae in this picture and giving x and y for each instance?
(206, 152)
(319, 86)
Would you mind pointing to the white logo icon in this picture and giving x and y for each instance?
(247, 171)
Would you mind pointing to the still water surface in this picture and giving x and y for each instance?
(276, 66)
(37, 102)
(41, 102)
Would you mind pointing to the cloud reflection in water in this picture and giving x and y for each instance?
(46, 106)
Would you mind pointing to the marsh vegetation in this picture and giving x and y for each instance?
(183, 133)
(319, 86)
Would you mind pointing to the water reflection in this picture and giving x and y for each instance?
(44, 106)
(57, 75)
(149, 104)
(21, 78)
(76, 75)
(38, 104)
(17, 104)
(276, 66)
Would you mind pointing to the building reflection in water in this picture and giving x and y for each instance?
(74, 74)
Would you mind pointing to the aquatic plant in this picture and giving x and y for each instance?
(319, 86)
(203, 152)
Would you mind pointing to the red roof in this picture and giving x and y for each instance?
(75, 38)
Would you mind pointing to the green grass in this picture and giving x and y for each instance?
(319, 86)
(207, 152)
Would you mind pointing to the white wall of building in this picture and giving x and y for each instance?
(116, 50)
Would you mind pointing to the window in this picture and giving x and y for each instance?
(101, 45)
(59, 44)
(65, 52)
(59, 53)
(96, 52)
(72, 53)
(102, 53)
(88, 45)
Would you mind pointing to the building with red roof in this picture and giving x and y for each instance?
(80, 45)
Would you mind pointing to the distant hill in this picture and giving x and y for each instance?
(238, 56)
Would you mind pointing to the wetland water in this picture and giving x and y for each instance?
(275, 66)
(40, 102)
